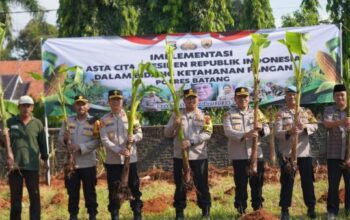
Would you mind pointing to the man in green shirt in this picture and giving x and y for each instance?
(27, 137)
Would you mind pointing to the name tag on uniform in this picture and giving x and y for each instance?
(14, 127)
(87, 133)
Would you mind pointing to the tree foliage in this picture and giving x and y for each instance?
(256, 14)
(307, 15)
(138, 17)
(28, 44)
(93, 17)
(5, 18)
(186, 16)
(340, 13)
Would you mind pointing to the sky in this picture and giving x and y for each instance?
(279, 7)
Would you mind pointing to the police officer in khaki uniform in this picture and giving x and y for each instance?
(150, 102)
(284, 132)
(82, 139)
(114, 136)
(197, 129)
(239, 127)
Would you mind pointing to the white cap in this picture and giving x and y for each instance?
(25, 100)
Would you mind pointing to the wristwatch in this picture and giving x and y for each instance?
(192, 142)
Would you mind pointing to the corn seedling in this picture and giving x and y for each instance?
(296, 44)
(176, 95)
(259, 41)
(271, 112)
(57, 83)
(123, 191)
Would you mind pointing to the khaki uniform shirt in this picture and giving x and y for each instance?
(114, 136)
(197, 128)
(236, 123)
(82, 133)
(336, 137)
(284, 122)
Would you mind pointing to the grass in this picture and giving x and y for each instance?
(222, 204)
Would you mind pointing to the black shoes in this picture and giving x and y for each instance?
(257, 208)
(206, 213)
(180, 214)
(115, 215)
(73, 217)
(137, 215)
(311, 213)
(241, 211)
(92, 217)
(284, 214)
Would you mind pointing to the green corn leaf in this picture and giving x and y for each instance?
(78, 73)
(51, 98)
(68, 100)
(56, 112)
(297, 42)
(69, 93)
(154, 71)
(11, 107)
(50, 57)
(36, 76)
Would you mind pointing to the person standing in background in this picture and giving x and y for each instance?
(337, 124)
(28, 141)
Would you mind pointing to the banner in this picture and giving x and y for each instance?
(212, 63)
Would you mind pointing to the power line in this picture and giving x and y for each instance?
(22, 12)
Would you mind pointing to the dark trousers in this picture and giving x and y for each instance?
(88, 177)
(16, 189)
(241, 178)
(335, 171)
(307, 183)
(199, 169)
(114, 174)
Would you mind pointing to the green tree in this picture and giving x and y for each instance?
(186, 16)
(94, 18)
(307, 15)
(340, 13)
(256, 14)
(139, 17)
(28, 44)
(235, 11)
(5, 17)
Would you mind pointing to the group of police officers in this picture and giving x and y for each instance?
(240, 129)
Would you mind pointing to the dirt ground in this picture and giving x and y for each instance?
(158, 205)
(271, 175)
(259, 215)
(162, 202)
(323, 197)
